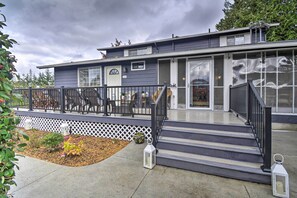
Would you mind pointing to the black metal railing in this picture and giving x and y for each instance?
(23, 95)
(159, 114)
(124, 100)
(132, 100)
(247, 102)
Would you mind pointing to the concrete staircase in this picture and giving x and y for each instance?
(223, 150)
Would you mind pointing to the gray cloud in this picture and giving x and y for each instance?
(57, 31)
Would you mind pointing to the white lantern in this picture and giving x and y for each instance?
(280, 178)
(65, 129)
(28, 124)
(149, 155)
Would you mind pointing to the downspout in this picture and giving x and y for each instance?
(156, 47)
(251, 36)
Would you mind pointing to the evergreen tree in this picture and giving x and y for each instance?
(242, 13)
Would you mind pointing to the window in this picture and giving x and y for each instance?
(88, 77)
(235, 40)
(274, 75)
(135, 66)
(138, 51)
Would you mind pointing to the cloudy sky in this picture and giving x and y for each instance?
(56, 31)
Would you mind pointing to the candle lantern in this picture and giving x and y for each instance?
(65, 129)
(149, 155)
(28, 124)
(280, 178)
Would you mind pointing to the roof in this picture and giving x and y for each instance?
(205, 51)
(234, 30)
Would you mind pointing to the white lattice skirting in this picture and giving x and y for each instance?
(106, 130)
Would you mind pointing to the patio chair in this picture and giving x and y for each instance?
(39, 99)
(74, 99)
(169, 94)
(126, 108)
(54, 98)
(92, 99)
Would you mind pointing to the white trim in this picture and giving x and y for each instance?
(137, 62)
(210, 59)
(93, 67)
(126, 52)
(210, 51)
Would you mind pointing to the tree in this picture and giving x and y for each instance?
(9, 135)
(42, 80)
(119, 43)
(244, 12)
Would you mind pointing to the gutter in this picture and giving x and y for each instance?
(226, 49)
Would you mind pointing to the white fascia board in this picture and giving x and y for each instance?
(225, 49)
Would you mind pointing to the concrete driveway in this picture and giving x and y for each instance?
(122, 175)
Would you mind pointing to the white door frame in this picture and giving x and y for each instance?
(211, 89)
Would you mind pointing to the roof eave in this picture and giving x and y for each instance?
(226, 49)
(174, 39)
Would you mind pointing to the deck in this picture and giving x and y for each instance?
(194, 116)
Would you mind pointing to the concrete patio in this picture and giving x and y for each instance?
(122, 175)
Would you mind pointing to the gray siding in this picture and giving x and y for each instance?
(66, 76)
(163, 48)
(115, 53)
(187, 44)
(142, 77)
(195, 44)
(215, 42)
(171, 46)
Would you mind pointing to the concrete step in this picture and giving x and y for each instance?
(213, 165)
(220, 127)
(230, 137)
(213, 149)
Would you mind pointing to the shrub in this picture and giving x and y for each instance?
(52, 141)
(35, 141)
(9, 135)
(139, 138)
(72, 148)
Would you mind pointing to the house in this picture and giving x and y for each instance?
(199, 70)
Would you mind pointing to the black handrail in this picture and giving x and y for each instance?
(247, 102)
(159, 114)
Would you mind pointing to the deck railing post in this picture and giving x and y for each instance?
(153, 123)
(248, 103)
(267, 140)
(62, 99)
(30, 99)
(105, 103)
(230, 102)
(166, 103)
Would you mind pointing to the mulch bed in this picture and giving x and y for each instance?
(95, 149)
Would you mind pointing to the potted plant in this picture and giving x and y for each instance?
(139, 138)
